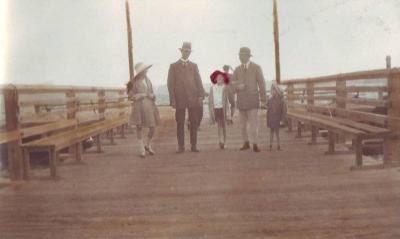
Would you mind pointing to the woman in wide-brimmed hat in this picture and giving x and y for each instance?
(276, 112)
(144, 110)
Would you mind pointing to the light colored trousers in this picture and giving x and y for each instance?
(249, 125)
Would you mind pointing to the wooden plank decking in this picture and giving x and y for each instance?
(295, 193)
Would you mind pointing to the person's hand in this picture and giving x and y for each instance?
(173, 105)
(151, 96)
(138, 97)
(263, 106)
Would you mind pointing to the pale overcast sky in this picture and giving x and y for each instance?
(83, 42)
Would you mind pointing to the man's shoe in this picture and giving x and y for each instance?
(221, 145)
(180, 150)
(279, 148)
(195, 150)
(245, 146)
(255, 148)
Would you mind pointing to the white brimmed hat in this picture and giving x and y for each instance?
(140, 67)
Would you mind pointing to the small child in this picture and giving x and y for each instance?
(218, 100)
(276, 112)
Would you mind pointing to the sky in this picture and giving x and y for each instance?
(84, 42)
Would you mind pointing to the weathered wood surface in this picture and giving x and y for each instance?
(295, 193)
(371, 74)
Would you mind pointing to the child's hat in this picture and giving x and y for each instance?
(215, 74)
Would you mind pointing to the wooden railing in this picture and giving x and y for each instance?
(371, 96)
(31, 105)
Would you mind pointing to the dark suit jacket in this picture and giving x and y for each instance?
(184, 85)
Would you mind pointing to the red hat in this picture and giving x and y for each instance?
(215, 74)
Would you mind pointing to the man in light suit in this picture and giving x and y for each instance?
(249, 85)
(186, 92)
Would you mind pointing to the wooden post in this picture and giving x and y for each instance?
(331, 140)
(276, 41)
(52, 162)
(72, 107)
(388, 62)
(290, 92)
(101, 102)
(310, 101)
(392, 146)
(357, 143)
(341, 92)
(121, 106)
(15, 157)
(129, 31)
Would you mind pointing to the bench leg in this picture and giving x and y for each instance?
(72, 151)
(331, 144)
(357, 143)
(314, 132)
(78, 150)
(52, 162)
(290, 125)
(112, 136)
(98, 143)
(122, 128)
(27, 164)
(298, 129)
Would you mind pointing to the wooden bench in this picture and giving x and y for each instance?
(71, 138)
(336, 125)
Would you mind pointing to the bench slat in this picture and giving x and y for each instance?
(328, 124)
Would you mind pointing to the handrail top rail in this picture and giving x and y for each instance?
(358, 75)
(26, 88)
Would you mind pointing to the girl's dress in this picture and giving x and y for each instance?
(218, 101)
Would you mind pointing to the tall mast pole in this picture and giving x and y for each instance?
(129, 28)
(276, 41)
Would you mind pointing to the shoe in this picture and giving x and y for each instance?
(195, 150)
(142, 154)
(279, 148)
(180, 150)
(221, 145)
(149, 150)
(270, 148)
(245, 146)
(255, 148)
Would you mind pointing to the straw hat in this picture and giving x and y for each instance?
(140, 67)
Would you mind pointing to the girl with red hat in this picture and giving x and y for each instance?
(218, 100)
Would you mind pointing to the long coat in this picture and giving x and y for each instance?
(254, 91)
(227, 97)
(184, 85)
(144, 110)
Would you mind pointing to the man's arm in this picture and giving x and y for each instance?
(199, 84)
(171, 86)
(261, 87)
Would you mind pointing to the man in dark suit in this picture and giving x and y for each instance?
(186, 92)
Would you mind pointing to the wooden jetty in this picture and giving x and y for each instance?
(110, 192)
